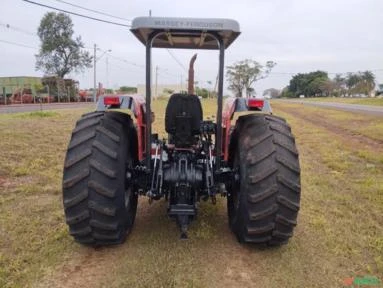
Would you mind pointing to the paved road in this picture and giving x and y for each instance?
(17, 108)
(367, 109)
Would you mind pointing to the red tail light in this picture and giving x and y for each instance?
(111, 100)
(255, 103)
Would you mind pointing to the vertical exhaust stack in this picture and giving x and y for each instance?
(191, 75)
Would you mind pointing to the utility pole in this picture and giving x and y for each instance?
(181, 84)
(216, 83)
(155, 93)
(107, 72)
(94, 71)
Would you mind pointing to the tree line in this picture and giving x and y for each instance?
(318, 83)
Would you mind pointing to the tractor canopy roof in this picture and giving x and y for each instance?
(188, 33)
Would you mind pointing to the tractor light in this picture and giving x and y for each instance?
(111, 100)
(255, 103)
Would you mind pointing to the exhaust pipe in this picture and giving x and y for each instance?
(191, 75)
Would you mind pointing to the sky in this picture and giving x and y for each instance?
(337, 36)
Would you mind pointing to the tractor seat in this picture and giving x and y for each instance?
(183, 119)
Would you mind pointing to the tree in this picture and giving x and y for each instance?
(339, 85)
(360, 83)
(314, 83)
(128, 89)
(243, 74)
(352, 81)
(203, 92)
(59, 53)
(286, 93)
(369, 81)
(272, 92)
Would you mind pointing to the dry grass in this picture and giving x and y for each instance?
(339, 234)
(33, 234)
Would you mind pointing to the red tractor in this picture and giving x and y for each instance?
(113, 158)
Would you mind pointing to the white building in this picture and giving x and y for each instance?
(162, 89)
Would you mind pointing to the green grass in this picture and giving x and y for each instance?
(339, 232)
(378, 101)
(40, 114)
(348, 198)
(361, 129)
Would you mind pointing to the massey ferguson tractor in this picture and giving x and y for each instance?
(114, 156)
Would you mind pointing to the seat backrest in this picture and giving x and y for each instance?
(183, 117)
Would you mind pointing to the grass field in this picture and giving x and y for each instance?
(339, 233)
(362, 101)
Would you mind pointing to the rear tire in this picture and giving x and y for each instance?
(263, 203)
(99, 202)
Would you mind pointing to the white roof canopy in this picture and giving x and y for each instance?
(190, 33)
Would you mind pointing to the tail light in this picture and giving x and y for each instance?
(111, 100)
(255, 103)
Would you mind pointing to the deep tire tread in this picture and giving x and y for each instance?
(80, 140)
(94, 181)
(255, 198)
(104, 149)
(84, 125)
(104, 225)
(278, 119)
(109, 236)
(81, 232)
(102, 169)
(109, 134)
(72, 181)
(102, 190)
(282, 130)
(77, 218)
(268, 196)
(75, 200)
(77, 158)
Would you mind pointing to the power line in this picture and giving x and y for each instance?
(175, 59)
(127, 62)
(76, 14)
(164, 72)
(17, 44)
(180, 64)
(8, 26)
(95, 11)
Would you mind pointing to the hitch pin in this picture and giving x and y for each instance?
(210, 158)
(150, 192)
